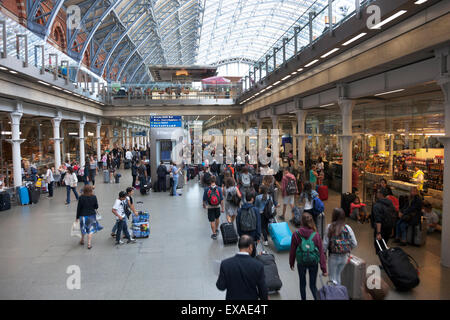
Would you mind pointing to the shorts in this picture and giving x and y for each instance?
(213, 214)
(288, 200)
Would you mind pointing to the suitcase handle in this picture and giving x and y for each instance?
(385, 245)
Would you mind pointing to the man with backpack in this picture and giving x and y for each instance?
(213, 201)
(161, 172)
(289, 190)
(382, 217)
(245, 181)
(142, 172)
(248, 220)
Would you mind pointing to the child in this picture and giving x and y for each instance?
(358, 210)
(431, 217)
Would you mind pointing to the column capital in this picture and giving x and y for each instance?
(12, 141)
(15, 117)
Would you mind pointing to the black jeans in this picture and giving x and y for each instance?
(264, 227)
(313, 271)
(133, 182)
(50, 189)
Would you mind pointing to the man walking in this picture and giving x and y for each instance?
(213, 201)
(289, 190)
(161, 172)
(248, 220)
(242, 276)
(382, 218)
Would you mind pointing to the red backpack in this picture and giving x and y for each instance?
(213, 196)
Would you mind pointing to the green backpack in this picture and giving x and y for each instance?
(307, 253)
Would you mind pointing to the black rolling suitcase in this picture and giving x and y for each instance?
(397, 264)
(34, 193)
(273, 281)
(5, 201)
(229, 234)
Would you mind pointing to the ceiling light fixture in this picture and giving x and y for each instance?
(330, 53)
(13, 72)
(354, 39)
(311, 63)
(327, 105)
(295, 72)
(278, 82)
(301, 69)
(44, 83)
(287, 77)
(3, 68)
(389, 92)
(420, 1)
(393, 17)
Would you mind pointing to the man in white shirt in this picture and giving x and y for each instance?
(50, 180)
(119, 211)
(129, 155)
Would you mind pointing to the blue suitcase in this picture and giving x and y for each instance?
(24, 196)
(281, 235)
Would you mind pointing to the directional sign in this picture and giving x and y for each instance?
(165, 121)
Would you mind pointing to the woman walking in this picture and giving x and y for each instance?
(71, 182)
(306, 248)
(308, 196)
(175, 171)
(339, 241)
(86, 214)
(230, 192)
(261, 201)
(92, 170)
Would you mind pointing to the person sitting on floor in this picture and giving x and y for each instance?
(431, 217)
(358, 211)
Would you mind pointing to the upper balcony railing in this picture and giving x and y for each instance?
(308, 29)
(156, 91)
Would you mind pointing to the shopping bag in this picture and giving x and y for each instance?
(98, 216)
(75, 231)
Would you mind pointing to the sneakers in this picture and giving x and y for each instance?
(214, 236)
(131, 241)
(120, 242)
(113, 235)
(266, 243)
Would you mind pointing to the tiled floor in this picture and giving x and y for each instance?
(178, 261)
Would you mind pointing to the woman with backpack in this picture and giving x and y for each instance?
(339, 241)
(233, 198)
(308, 196)
(264, 204)
(306, 248)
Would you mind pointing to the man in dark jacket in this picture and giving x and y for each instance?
(409, 216)
(161, 172)
(242, 276)
(248, 206)
(382, 217)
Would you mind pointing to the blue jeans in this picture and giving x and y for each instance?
(401, 230)
(313, 271)
(114, 229)
(174, 187)
(336, 263)
(74, 189)
(122, 226)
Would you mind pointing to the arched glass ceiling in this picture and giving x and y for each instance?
(248, 28)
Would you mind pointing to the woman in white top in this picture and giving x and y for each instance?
(339, 240)
(71, 182)
(50, 180)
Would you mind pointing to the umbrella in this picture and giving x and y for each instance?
(216, 80)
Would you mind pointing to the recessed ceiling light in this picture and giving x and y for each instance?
(389, 92)
(276, 83)
(393, 17)
(44, 83)
(287, 77)
(56, 88)
(3, 68)
(269, 87)
(330, 53)
(420, 1)
(311, 63)
(301, 69)
(13, 72)
(354, 39)
(327, 105)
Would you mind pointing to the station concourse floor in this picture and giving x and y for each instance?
(178, 261)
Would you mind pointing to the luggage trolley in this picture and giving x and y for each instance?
(140, 225)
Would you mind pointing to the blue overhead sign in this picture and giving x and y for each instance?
(165, 121)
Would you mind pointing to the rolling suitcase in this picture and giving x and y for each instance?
(117, 177)
(5, 201)
(397, 264)
(140, 225)
(106, 176)
(272, 277)
(332, 291)
(281, 235)
(24, 196)
(353, 277)
(417, 235)
(229, 235)
(323, 192)
(35, 194)
(320, 224)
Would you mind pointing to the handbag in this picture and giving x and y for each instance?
(98, 216)
(75, 231)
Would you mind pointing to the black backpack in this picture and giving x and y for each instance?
(233, 198)
(291, 188)
(268, 209)
(248, 219)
